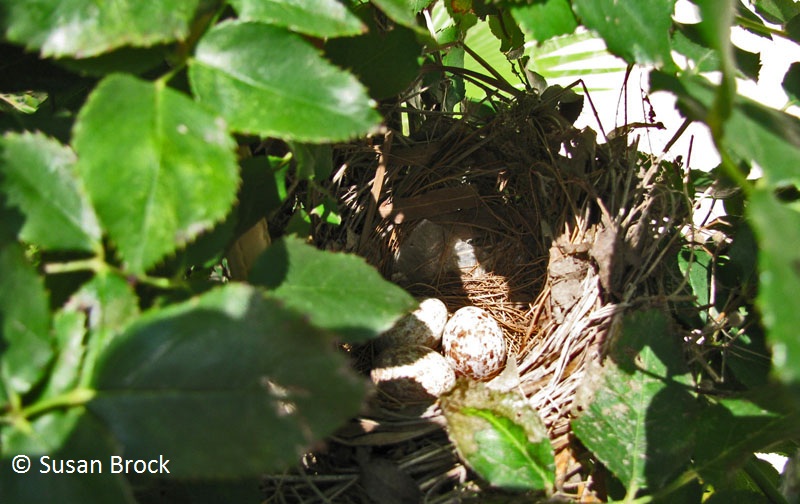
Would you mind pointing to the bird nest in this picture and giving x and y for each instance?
(552, 232)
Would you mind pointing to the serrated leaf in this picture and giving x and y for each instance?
(164, 172)
(778, 229)
(267, 81)
(38, 177)
(25, 340)
(543, 20)
(322, 18)
(791, 81)
(385, 61)
(500, 437)
(637, 31)
(338, 292)
(777, 11)
(83, 28)
(60, 436)
(639, 423)
(753, 132)
(231, 363)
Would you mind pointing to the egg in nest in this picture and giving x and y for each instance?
(473, 343)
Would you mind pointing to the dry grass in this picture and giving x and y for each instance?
(566, 243)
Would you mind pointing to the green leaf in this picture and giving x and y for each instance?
(83, 28)
(403, 12)
(778, 229)
(338, 292)
(637, 31)
(543, 20)
(385, 61)
(322, 18)
(777, 11)
(60, 436)
(731, 430)
(164, 172)
(26, 344)
(313, 161)
(231, 363)
(753, 132)
(639, 423)
(696, 265)
(715, 28)
(500, 437)
(38, 178)
(791, 82)
(267, 81)
(69, 327)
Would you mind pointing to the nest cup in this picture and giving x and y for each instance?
(522, 215)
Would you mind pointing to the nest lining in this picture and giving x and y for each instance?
(565, 243)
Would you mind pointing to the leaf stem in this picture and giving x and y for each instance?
(95, 264)
(760, 28)
(76, 397)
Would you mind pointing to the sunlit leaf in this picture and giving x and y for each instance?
(637, 31)
(265, 80)
(231, 363)
(37, 174)
(83, 28)
(778, 229)
(543, 20)
(164, 172)
(500, 437)
(322, 18)
(338, 292)
(25, 340)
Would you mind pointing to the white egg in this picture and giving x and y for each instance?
(423, 326)
(412, 374)
(473, 343)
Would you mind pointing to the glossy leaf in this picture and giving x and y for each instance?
(338, 292)
(778, 229)
(500, 437)
(543, 20)
(25, 340)
(639, 422)
(60, 436)
(321, 18)
(231, 363)
(83, 28)
(69, 327)
(164, 172)
(753, 131)
(267, 81)
(38, 177)
(636, 31)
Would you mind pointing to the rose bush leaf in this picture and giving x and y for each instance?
(164, 172)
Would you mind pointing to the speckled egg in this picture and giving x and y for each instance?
(423, 326)
(473, 343)
(412, 374)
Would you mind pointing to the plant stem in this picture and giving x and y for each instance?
(76, 397)
(95, 264)
(760, 28)
(763, 482)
